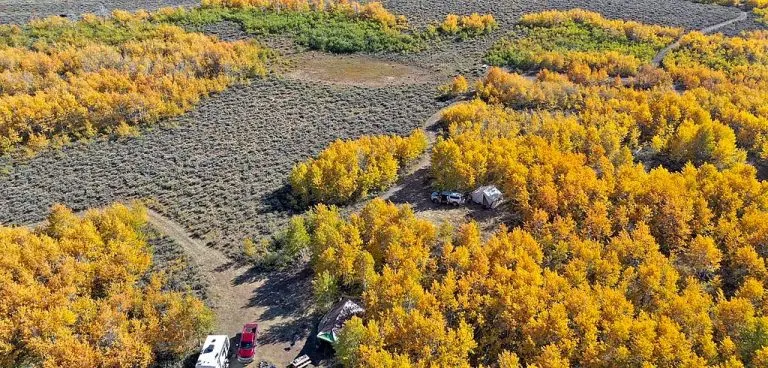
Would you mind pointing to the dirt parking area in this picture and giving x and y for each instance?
(280, 302)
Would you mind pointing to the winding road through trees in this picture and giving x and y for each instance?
(659, 58)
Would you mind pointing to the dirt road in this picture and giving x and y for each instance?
(241, 294)
(660, 56)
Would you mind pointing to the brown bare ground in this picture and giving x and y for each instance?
(239, 296)
(355, 70)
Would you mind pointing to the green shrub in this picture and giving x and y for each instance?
(325, 31)
(282, 250)
(562, 41)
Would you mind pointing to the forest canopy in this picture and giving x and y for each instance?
(77, 292)
(349, 170)
(643, 281)
(638, 237)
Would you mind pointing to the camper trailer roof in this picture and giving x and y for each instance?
(488, 191)
(211, 348)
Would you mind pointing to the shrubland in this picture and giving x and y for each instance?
(77, 291)
(62, 80)
(341, 27)
(373, 11)
(759, 7)
(348, 170)
(578, 39)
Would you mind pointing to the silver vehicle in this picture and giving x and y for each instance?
(448, 197)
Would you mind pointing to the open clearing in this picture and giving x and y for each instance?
(239, 296)
(356, 70)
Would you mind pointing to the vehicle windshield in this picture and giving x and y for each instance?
(208, 349)
(246, 345)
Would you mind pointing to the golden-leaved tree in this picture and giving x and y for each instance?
(62, 80)
(76, 292)
(347, 170)
(640, 237)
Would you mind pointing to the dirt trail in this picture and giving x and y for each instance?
(239, 295)
(194, 248)
(430, 127)
(660, 56)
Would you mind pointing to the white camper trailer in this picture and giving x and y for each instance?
(215, 352)
(488, 196)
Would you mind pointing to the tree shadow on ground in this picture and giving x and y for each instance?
(289, 332)
(293, 332)
(188, 360)
(283, 294)
(233, 263)
(760, 165)
(279, 200)
(416, 189)
(491, 219)
(317, 350)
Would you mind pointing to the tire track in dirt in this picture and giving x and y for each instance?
(423, 162)
(239, 295)
(202, 254)
(658, 58)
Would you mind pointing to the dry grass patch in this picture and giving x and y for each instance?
(355, 70)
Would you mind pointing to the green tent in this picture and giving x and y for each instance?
(331, 323)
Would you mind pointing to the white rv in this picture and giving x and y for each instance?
(215, 352)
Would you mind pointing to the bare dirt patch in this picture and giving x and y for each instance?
(239, 294)
(355, 70)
